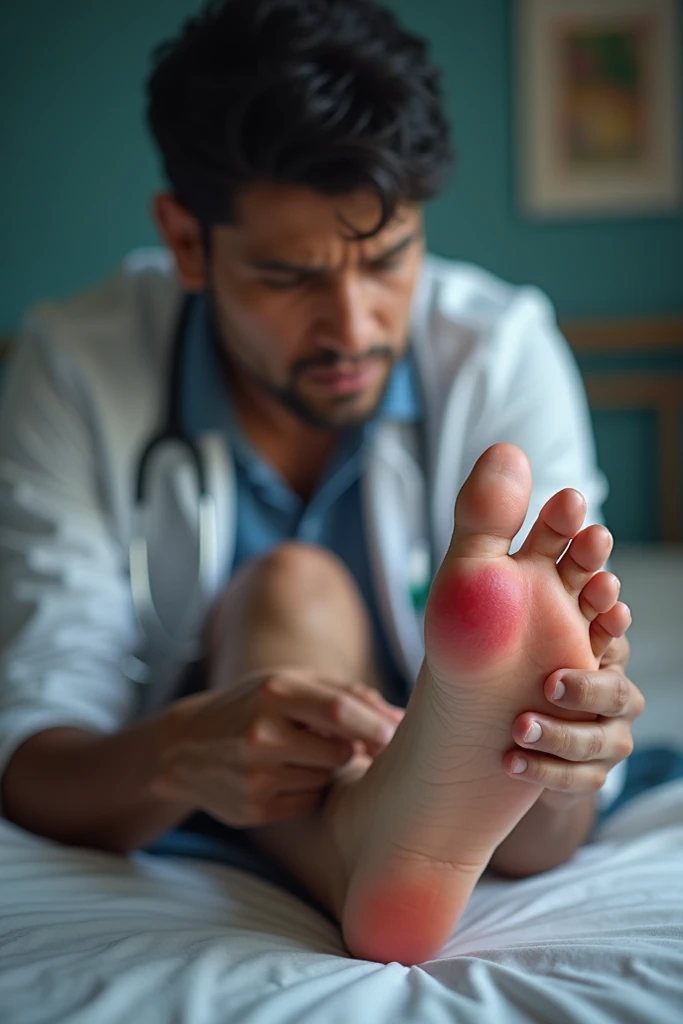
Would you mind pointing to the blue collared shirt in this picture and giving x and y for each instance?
(269, 512)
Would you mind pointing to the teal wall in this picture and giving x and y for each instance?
(77, 171)
(76, 168)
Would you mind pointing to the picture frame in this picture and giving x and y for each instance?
(598, 107)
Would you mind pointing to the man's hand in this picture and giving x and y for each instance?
(265, 751)
(581, 753)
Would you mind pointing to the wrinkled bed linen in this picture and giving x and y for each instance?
(89, 938)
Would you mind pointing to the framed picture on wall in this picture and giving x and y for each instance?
(598, 107)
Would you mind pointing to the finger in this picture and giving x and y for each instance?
(609, 625)
(555, 773)
(609, 741)
(599, 595)
(304, 748)
(292, 682)
(339, 713)
(605, 692)
(373, 697)
(273, 740)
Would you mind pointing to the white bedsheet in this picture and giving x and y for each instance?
(97, 939)
(87, 938)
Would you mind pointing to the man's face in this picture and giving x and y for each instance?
(311, 317)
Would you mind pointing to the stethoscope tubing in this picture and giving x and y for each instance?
(153, 629)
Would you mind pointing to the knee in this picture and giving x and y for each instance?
(300, 592)
(299, 572)
(287, 580)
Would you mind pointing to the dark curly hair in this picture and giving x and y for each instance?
(332, 95)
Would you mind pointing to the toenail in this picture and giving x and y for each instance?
(533, 733)
(519, 765)
(560, 690)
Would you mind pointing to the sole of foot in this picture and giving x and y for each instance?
(416, 832)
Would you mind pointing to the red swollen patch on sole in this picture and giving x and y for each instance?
(473, 618)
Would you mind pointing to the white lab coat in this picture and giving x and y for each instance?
(89, 386)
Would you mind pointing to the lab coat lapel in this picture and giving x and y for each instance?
(178, 527)
(393, 505)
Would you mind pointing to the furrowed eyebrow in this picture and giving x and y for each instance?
(283, 266)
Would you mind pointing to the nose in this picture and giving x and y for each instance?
(344, 321)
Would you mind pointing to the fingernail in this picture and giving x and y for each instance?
(519, 765)
(388, 735)
(533, 733)
(560, 690)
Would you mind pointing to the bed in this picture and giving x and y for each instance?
(95, 939)
(90, 938)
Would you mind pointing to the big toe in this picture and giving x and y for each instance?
(492, 503)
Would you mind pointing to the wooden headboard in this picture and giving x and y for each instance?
(636, 365)
(630, 365)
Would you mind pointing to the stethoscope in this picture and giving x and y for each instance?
(172, 433)
(189, 648)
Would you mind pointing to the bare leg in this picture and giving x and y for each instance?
(298, 607)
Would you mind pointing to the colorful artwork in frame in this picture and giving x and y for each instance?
(598, 112)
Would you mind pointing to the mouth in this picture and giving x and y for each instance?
(347, 382)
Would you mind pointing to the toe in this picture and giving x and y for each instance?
(587, 553)
(599, 595)
(609, 625)
(559, 520)
(492, 503)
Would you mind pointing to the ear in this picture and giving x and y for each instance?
(183, 235)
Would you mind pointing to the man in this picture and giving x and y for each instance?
(340, 386)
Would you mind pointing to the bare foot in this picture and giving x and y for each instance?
(417, 830)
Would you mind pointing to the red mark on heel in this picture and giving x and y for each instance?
(473, 618)
(401, 918)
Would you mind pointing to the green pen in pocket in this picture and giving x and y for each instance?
(419, 575)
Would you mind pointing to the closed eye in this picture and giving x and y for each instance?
(295, 279)
(282, 283)
(385, 266)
